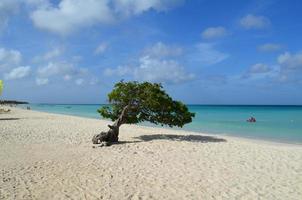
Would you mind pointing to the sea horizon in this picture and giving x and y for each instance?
(188, 104)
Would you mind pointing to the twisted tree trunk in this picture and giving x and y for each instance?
(111, 136)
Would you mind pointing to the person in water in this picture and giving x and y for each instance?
(252, 119)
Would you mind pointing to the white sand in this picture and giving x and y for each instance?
(48, 156)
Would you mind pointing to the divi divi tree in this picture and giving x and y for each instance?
(134, 102)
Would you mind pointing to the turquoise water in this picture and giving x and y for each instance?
(277, 123)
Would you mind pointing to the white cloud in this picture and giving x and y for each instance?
(214, 32)
(76, 58)
(269, 47)
(154, 70)
(118, 71)
(79, 81)
(135, 7)
(60, 68)
(259, 68)
(290, 61)
(287, 70)
(206, 54)
(52, 69)
(7, 8)
(67, 77)
(155, 65)
(11, 7)
(71, 15)
(94, 81)
(54, 53)
(9, 58)
(254, 22)
(161, 50)
(101, 48)
(17, 73)
(38, 3)
(259, 71)
(42, 81)
(64, 71)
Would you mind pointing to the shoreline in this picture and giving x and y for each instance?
(51, 156)
(226, 135)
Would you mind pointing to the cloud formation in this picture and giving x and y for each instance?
(42, 81)
(290, 67)
(153, 70)
(71, 15)
(259, 68)
(290, 61)
(155, 66)
(135, 7)
(121, 70)
(54, 53)
(59, 68)
(166, 71)
(101, 48)
(161, 50)
(79, 81)
(269, 47)
(254, 22)
(63, 72)
(37, 3)
(214, 32)
(9, 58)
(206, 54)
(7, 8)
(17, 73)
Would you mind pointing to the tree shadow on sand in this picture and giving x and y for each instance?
(127, 142)
(188, 138)
(148, 138)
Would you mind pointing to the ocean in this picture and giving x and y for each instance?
(274, 123)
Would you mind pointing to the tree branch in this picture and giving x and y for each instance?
(121, 118)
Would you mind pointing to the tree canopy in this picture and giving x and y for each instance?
(145, 101)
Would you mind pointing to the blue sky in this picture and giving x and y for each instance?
(202, 51)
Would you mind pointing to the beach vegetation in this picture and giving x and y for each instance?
(1, 87)
(134, 102)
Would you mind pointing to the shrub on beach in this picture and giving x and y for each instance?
(1, 87)
(134, 102)
(1, 109)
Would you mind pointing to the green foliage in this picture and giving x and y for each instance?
(146, 102)
(1, 86)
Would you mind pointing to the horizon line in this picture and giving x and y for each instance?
(189, 104)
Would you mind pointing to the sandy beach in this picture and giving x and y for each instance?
(50, 156)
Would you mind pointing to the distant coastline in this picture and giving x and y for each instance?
(4, 102)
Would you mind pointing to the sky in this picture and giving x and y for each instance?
(202, 51)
